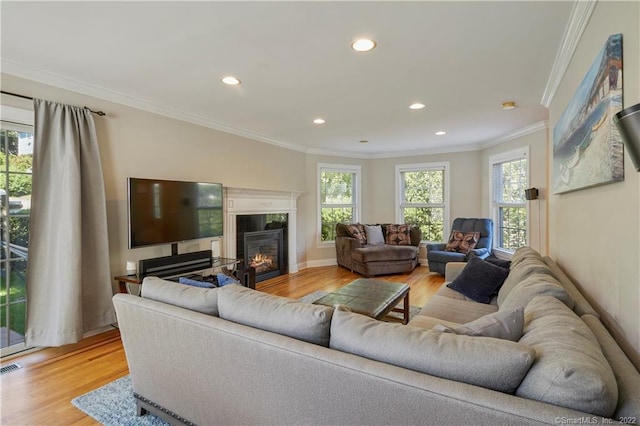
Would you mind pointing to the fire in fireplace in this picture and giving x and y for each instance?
(264, 251)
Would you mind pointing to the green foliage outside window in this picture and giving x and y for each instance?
(423, 202)
(15, 200)
(337, 199)
(511, 181)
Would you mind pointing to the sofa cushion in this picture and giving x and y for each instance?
(356, 230)
(479, 280)
(290, 317)
(519, 271)
(398, 235)
(505, 325)
(482, 361)
(570, 369)
(204, 300)
(462, 242)
(374, 234)
(535, 285)
(523, 253)
(456, 310)
(383, 253)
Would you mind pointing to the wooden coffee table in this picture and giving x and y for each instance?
(374, 298)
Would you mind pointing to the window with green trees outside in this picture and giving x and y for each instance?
(510, 179)
(338, 189)
(424, 198)
(16, 155)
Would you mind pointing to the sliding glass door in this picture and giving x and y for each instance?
(16, 155)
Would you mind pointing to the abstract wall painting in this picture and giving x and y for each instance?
(587, 147)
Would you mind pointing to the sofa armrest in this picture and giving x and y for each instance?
(452, 270)
(344, 247)
(436, 246)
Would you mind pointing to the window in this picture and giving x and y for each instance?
(423, 198)
(509, 179)
(339, 198)
(16, 155)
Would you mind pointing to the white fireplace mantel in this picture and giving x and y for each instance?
(241, 201)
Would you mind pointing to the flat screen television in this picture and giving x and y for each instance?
(168, 212)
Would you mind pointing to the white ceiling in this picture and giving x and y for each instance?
(461, 59)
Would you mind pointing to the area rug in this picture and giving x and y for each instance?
(113, 405)
(312, 297)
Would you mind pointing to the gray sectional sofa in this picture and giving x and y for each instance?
(238, 356)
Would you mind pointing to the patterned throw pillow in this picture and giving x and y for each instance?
(461, 242)
(399, 235)
(356, 230)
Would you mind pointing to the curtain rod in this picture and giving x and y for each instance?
(100, 113)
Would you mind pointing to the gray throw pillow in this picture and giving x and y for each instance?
(289, 317)
(204, 300)
(505, 325)
(374, 234)
(479, 280)
(482, 361)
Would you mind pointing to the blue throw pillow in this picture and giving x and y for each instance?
(479, 280)
(224, 279)
(195, 283)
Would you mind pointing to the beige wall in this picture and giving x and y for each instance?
(594, 232)
(142, 144)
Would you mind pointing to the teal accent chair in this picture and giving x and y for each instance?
(437, 257)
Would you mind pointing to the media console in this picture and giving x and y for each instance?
(173, 267)
(176, 264)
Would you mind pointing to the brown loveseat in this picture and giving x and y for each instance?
(397, 254)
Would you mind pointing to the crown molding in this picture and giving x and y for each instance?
(45, 77)
(533, 128)
(578, 20)
(23, 71)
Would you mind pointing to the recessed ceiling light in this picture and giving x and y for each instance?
(440, 133)
(363, 45)
(230, 80)
(417, 105)
(319, 121)
(508, 105)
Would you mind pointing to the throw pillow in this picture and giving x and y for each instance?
(356, 230)
(224, 279)
(506, 264)
(398, 235)
(479, 280)
(204, 300)
(374, 234)
(462, 242)
(195, 283)
(282, 315)
(482, 361)
(506, 325)
(570, 369)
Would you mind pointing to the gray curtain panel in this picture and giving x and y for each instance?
(68, 279)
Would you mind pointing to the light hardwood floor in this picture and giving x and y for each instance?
(40, 393)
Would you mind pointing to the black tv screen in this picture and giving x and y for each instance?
(166, 211)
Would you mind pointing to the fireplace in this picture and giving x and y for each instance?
(262, 242)
(263, 250)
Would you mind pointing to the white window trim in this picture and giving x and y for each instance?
(341, 168)
(515, 154)
(400, 168)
